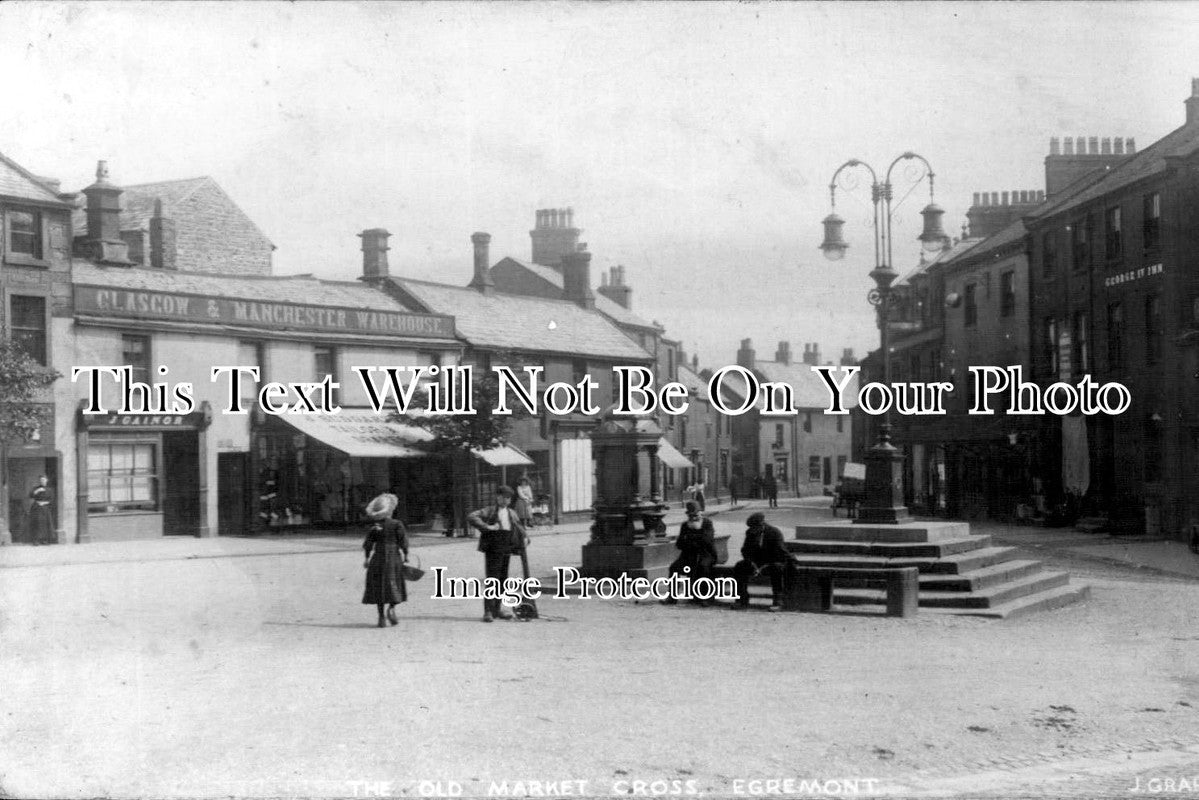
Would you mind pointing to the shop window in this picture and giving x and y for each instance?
(25, 235)
(1113, 239)
(122, 476)
(1151, 222)
(1007, 293)
(814, 468)
(841, 460)
(28, 325)
(778, 436)
(135, 352)
(780, 472)
(1115, 337)
(807, 422)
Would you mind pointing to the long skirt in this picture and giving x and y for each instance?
(385, 580)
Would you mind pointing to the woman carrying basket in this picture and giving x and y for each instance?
(386, 547)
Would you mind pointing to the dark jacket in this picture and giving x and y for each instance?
(764, 545)
(386, 546)
(500, 542)
(697, 546)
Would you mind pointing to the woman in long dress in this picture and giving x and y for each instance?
(41, 515)
(524, 501)
(386, 548)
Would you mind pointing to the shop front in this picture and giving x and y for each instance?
(142, 476)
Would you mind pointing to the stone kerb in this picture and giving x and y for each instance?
(906, 532)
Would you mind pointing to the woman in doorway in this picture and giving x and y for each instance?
(524, 501)
(386, 548)
(41, 515)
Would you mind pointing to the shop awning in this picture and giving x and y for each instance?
(362, 433)
(671, 457)
(505, 455)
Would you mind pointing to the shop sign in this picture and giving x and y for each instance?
(109, 302)
(1132, 275)
(197, 420)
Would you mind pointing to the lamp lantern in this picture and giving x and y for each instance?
(834, 245)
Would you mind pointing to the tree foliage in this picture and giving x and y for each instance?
(484, 429)
(22, 382)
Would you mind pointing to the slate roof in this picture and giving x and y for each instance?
(18, 182)
(810, 389)
(1179, 143)
(517, 322)
(942, 256)
(137, 202)
(697, 387)
(301, 289)
(605, 305)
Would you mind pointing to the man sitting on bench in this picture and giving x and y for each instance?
(762, 553)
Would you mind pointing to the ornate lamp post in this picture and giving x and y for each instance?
(883, 502)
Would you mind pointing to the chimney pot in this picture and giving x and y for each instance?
(1130, 146)
(1068, 144)
(1119, 145)
(482, 280)
(163, 248)
(576, 279)
(374, 253)
(104, 219)
(1093, 145)
(1105, 146)
(1004, 201)
(1054, 146)
(976, 198)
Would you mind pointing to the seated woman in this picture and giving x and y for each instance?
(697, 546)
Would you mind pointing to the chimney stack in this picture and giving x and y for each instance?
(1192, 103)
(104, 242)
(614, 287)
(374, 254)
(162, 239)
(482, 280)
(1081, 156)
(998, 210)
(847, 358)
(746, 355)
(554, 236)
(811, 354)
(783, 354)
(576, 278)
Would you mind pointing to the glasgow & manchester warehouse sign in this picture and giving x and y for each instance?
(108, 302)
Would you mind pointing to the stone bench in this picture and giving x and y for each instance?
(811, 588)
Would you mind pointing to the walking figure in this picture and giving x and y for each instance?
(386, 548)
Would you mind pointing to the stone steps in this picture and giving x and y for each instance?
(960, 573)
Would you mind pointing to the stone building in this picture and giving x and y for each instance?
(35, 292)
(803, 448)
(1115, 294)
(189, 225)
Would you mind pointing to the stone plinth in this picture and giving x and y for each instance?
(640, 560)
(904, 532)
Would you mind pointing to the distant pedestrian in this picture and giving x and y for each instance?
(524, 501)
(698, 496)
(386, 548)
(771, 487)
(733, 492)
(41, 513)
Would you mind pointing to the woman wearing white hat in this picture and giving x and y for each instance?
(386, 547)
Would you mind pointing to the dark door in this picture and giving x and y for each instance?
(23, 474)
(828, 471)
(231, 471)
(181, 479)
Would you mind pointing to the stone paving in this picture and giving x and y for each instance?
(189, 668)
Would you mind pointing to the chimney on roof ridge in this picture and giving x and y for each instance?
(1080, 156)
(783, 354)
(746, 355)
(104, 242)
(554, 235)
(811, 354)
(1192, 103)
(482, 280)
(162, 238)
(576, 279)
(374, 254)
(614, 288)
(847, 357)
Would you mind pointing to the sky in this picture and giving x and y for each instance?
(694, 141)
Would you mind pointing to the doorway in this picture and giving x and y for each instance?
(181, 474)
(22, 478)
